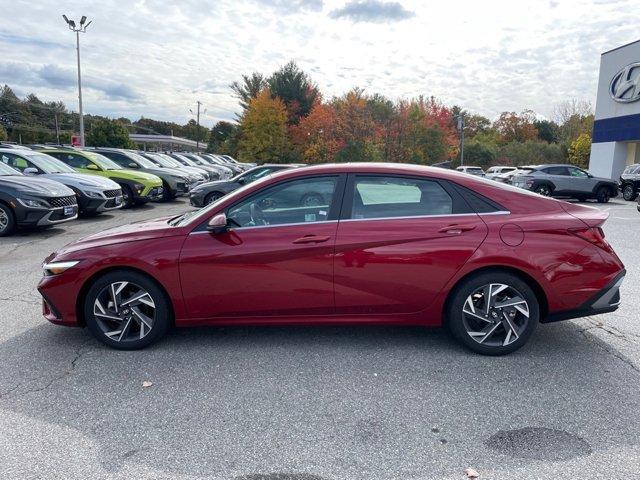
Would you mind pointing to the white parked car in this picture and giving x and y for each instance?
(471, 170)
(493, 172)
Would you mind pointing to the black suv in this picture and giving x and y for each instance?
(33, 202)
(566, 181)
(630, 182)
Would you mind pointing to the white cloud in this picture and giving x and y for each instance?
(156, 58)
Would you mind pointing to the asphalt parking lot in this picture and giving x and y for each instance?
(314, 403)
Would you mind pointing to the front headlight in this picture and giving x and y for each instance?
(34, 203)
(91, 194)
(138, 187)
(56, 268)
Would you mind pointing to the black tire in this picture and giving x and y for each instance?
(127, 197)
(98, 326)
(167, 194)
(212, 197)
(629, 193)
(543, 190)
(581, 198)
(7, 220)
(311, 200)
(603, 194)
(456, 321)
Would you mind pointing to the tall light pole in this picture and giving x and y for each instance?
(198, 124)
(81, 28)
(460, 120)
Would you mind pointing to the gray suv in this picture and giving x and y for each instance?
(566, 181)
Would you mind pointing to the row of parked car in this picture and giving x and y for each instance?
(553, 180)
(44, 185)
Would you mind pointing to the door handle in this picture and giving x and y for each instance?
(456, 229)
(312, 239)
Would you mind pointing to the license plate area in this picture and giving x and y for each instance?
(69, 211)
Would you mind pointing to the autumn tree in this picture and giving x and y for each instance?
(317, 138)
(580, 151)
(516, 127)
(3, 133)
(264, 130)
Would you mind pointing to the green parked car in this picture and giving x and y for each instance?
(137, 187)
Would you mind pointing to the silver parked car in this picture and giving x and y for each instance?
(498, 170)
(566, 181)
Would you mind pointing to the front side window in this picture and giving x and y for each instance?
(556, 171)
(388, 197)
(298, 201)
(71, 159)
(576, 172)
(16, 162)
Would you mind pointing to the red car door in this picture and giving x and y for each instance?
(275, 260)
(398, 243)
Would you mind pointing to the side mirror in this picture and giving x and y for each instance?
(92, 166)
(30, 171)
(242, 181)
(218, 224)
(132, 165)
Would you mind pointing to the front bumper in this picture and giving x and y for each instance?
(149, 194)
(605, 301)
(97, 205)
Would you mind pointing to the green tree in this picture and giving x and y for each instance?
(249, 88)
(108, 133)
(547, 130)
(295, 89)
(264, 130)
(482, 154)
(220, 133)
(580, 150)
(3, 133)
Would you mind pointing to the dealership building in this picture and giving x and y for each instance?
(616, 131)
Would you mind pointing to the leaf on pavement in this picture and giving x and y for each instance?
(146, 384)
(471, 473)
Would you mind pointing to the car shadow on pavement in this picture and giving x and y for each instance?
(346, 402)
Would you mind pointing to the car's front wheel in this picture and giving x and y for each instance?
(493, 313)
(603, 194)
(213, 197)
(126, 310)
(629, 193)
(127, 197)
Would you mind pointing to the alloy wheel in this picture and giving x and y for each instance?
(4, 220)
(543, 190)
(627, 193)
(495, 315)
(124, 311)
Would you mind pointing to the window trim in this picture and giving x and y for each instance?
(457, 202)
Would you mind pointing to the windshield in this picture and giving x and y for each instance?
(6, 170)
(161, 160)
(144, 162)
(102, 161)
(186, 160)
(48, 164)
(197, 160)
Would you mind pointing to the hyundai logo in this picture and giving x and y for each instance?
(625, 85)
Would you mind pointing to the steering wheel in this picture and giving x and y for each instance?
(257, 215)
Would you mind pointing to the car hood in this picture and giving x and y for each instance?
(131, 232)
(82, 180)
(37, 186)
(160, 172)
(223, 184)
(140, 177)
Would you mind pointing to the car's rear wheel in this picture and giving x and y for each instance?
(493, 313)
(544, 190)
(7, 220)
(603, 194)
(212, 197)
(629, 193)
(126, 310)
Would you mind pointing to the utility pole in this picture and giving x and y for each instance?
(197, 114)
(81, 28)
(55, 116)
(461, 130)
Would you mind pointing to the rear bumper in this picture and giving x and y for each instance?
(605, 301)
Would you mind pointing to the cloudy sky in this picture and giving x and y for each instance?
(157, 57)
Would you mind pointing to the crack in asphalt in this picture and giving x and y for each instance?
(78, 354)
(605, 346)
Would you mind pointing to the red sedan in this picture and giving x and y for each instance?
(339, 244)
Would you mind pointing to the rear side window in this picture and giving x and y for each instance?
(388, 197)
(556, 170)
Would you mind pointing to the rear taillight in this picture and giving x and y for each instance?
(594, 235)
